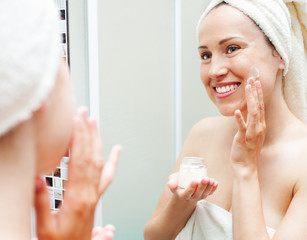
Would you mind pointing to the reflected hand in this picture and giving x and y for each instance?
(249, 139)
(195, 191)
(103, 233)
(88, 178)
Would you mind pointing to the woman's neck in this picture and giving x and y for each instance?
(17, 172)
(278, 117)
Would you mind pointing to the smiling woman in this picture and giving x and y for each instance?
(232, 54)
(259, 143)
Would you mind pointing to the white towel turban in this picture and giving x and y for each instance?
(29, 58)
(284, 22)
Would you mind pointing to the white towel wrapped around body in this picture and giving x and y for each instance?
(284, 22)
(210, 222)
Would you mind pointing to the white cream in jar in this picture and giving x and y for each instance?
(191, 169)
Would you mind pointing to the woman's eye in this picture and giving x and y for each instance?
(206, 56)
(232, 49)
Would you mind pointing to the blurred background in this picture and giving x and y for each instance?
(135, 64)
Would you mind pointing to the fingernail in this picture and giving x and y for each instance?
(204, 181)
(118, 147)
(93, 122)
(254, 72)
(194, 184)
(251, 80)
(77, 122)
(82, 111)
(258, 84)
(39, 184)
(248, 87)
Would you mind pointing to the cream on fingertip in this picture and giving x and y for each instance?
(254, 72)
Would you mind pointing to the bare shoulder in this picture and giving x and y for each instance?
(295, 149)
(295, 140)
(207, 132)
(211, 125)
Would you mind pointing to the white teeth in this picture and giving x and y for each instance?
(226, 89)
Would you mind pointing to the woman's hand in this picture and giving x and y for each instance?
(249, 139)
(103, 233)
(195, 191)
(88, 178)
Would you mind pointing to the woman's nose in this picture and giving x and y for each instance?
(218, 68)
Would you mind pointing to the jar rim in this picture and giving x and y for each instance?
(192, 160)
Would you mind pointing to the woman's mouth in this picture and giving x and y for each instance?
(225, 89)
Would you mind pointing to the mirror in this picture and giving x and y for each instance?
(150, 95)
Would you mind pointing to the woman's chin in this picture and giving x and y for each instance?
(230, 110)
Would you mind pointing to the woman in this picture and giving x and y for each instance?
(36, 128)
(256, 153)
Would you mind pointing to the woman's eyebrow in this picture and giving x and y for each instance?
(202, 47)
(225, 40)
(220, 43)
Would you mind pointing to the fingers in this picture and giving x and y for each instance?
(260, 100)
(110, 168)
(252, 102)
(186, 194)
(255, 126)
(206, 187)
(81, 149)
(173, 181)
(106, 235)
(103, 233)
(240, 122)
(181, 193)
(41, 204)
(97, 230)
(255, 102)
(213, 186)
(195, 191)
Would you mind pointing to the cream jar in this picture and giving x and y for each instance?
(191, 169)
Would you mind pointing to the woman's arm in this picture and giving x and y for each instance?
(176, 205)
(169, 217)
(88, 178)
(174, 209)
(248, 219)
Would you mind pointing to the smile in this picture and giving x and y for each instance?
(226, 89)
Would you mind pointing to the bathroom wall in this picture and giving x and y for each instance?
(195, 102)
(138, 74)
(137, 106)
(78, 51)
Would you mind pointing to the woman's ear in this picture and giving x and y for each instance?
(43, 106)
(282, 64)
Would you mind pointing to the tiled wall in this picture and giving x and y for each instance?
(56, 181)
(63, 14)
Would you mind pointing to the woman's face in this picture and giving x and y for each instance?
(55, 121)
(229, 45)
